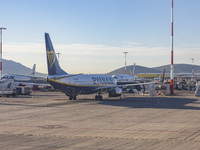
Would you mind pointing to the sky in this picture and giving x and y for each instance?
(92, 35)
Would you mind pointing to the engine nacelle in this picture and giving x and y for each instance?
(115, 92)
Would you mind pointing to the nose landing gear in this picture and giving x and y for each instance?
(72, 97)
(98, 96)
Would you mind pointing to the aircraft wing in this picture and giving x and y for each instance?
(119, 86)
(33, 84)
(108, 87)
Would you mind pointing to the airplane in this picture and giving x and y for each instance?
(75, 84)
(125, 79)
(17, 77)
(27, 80)
(129, 79)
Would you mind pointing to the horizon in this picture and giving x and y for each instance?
(105, 72)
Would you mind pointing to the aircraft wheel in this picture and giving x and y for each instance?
(70, 97)
(74, 97)
(98, 97)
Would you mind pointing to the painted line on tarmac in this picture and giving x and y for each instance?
(98, 129)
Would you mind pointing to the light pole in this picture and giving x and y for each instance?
(58, 55)
(172, 56)
(192, 67)
(1, 51)
(125, 61)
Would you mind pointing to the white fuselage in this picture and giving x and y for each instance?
(86, 80)
(124, 78)
(81, 84)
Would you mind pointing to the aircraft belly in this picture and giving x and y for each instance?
(71, 89)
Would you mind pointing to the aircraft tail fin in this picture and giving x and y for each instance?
(133, 72)
(163, 77)
(33, 70)
(52, 62)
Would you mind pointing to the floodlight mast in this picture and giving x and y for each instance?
(58, 56)
(125, 61)
(192, 67)
(1, 50)
(172, 57)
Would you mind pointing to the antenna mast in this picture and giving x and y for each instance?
(172, 57)
(1, 51)
(125, 61)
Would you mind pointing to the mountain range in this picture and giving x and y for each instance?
(12, 67)
(178, 68)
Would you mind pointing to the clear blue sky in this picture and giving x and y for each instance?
(91, 35)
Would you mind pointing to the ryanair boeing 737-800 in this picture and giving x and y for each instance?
(74, 84)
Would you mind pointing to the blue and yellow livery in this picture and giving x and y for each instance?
(74, 84)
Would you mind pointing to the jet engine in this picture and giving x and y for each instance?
(115, 92)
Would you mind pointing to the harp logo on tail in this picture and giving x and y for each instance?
(51, 58)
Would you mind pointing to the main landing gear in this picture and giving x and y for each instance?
(72, 97)
(98, 97)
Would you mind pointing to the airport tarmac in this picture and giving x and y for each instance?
(48, 120)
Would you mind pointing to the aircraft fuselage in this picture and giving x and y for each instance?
(81, 84)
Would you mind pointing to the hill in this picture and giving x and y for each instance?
(12, 67)
(138, 69)
(178, 68)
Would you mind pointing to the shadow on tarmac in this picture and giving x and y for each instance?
(154, 102)
(129, 102)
